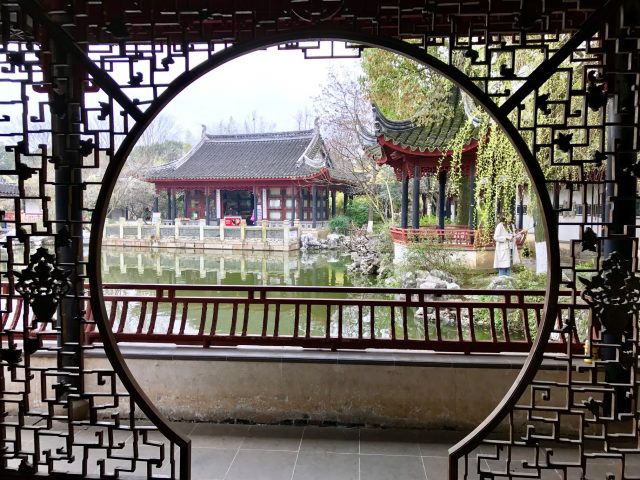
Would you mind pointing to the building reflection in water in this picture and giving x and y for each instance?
(175, 266)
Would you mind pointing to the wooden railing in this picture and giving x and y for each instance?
(447, 237)
(468, 321)
(328, 317)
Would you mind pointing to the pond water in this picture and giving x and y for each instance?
(219, 267)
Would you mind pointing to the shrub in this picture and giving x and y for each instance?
(358, 211)
(340, 224)
(429, 256)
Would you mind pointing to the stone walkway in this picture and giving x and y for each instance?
(242, 452)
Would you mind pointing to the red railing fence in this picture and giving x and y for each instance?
(467, 321)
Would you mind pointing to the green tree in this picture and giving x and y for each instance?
(403, 88)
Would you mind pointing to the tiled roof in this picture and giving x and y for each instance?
(283, 155)
(436, 135)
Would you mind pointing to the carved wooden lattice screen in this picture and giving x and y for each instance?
(80, 81)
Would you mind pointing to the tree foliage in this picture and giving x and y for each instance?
(404, 89)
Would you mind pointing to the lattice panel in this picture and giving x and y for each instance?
(63, 411)
(74, 99)
(580, 421)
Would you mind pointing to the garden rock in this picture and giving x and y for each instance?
(334, 240)
(446, 276)
(501, 282)
(430, 281)
(364, 255)
(408, 280)
(309, 241)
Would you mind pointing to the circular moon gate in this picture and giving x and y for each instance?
(114, 168)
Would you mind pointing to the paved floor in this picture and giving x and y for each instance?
(242, 452)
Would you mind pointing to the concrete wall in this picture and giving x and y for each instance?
(322, 387)
(381, 388)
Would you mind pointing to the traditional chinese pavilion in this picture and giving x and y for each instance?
(415, 150)
(284, 176)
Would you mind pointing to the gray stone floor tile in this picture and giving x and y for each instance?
(326, 466)
(273, 437)
(437, 443)
(437, 468)
(262, 465)
(214, 435)
(389, 442)
(389, 467)
(330, 440)
(211, 463)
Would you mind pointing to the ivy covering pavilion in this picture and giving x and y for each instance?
(416, 150)
(284, 176)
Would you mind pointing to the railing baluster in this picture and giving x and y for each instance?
(459, 325)
(393, 322)
(203, 318)
(527, 330)
(492, 324)
(308, 326)
(405, 322)
(327, 327)
(265, 319)
(172, 314)
(154, 313)
(340, 322)
(472, 328)
(505, 324)
(276, 325)
(425, 321)
(438, 329)
(234, 319)
(296, 320)
(183, 320)
(359, 322)
(112, 313)
(214, 319)
(123, 316)
(245, 318)
(143, 314)
(372, 322)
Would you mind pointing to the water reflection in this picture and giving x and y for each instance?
(219, 267)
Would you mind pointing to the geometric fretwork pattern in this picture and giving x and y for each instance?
(78, 82)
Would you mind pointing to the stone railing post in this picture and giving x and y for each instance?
(202, 222)
(285, 234)
(121, 233)
(264, 231)
(139, 229)
(176, 229)
(242, 230)
(222, 229)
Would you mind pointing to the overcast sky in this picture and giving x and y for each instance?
(276, 84)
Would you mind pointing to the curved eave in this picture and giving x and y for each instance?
(427, 154)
